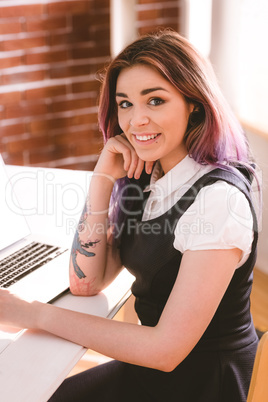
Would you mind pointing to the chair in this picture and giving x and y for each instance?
(258, 390)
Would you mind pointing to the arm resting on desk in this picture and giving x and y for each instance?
(192, 303)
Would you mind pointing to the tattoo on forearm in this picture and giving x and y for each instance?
(81, 286)
(80, 246)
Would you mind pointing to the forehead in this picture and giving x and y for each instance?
(141, 75)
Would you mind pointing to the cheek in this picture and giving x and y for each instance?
(121, 122)
(182, 120)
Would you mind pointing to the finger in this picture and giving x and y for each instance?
(133, 164)
(123, 147)
(130, 156)
(139, 169)
(149, 167)
(126, 153)
(148, 164)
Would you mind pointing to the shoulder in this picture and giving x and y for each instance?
(222, 193)
(220, 217)
(221, 203)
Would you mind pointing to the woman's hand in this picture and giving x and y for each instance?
(119, 159)
(18, 313)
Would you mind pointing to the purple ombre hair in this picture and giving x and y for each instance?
(213, 136)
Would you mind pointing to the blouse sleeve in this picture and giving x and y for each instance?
(219, 218)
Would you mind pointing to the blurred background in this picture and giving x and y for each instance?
(52, 50)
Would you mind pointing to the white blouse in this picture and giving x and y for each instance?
(219, 218)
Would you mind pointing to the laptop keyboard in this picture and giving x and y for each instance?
(26, 260)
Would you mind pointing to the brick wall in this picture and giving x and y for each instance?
(50, 52)
(152, 14)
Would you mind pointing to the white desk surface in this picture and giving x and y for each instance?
(35, 363)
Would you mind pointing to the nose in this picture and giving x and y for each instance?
(139, 118)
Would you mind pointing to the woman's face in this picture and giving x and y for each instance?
(153, 115)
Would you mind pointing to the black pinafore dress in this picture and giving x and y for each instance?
(219, 368)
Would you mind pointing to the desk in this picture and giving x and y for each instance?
(35, 363)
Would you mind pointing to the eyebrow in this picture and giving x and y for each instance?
(143, 92)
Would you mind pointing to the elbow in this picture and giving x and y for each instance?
(161, 354)
(167, 361)
(82, 286)
(81, 290)
(167, 366)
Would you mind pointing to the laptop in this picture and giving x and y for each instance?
(30, 266)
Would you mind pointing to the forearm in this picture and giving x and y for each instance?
(89, 249)
(126, 342)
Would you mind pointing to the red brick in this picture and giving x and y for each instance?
(26, 76)
(86, 86)
(171, 12)
(2, 113)
(69, 7)
(46, 57)
(83, 119)
(150, 1)
(90, 51)
(168, 14)
(11, 61)
(28, 144)
(75, 37)
(48, 124)
(2, 148)
(84, 21)
(24, 110)
(61, 122)
(72, 104)
(36, 126)
(87, 147)
(45, 24)
(21, 11)
(10, 97)
(42, 155)
(75, 132)
(24, 43)
(100, 33)
(81, 21)
(79, 136)
(45, 92)
(61, 153)
(149, 14)
(69, 71)
(101, 4)
(76, 147)
(10, 27)
(83, 52)
(100, 18)
(87, 166)
(14, 159)
(12, 129)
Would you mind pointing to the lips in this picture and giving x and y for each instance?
(146, 138)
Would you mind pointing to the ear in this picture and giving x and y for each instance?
(192, 107)
(196, 115)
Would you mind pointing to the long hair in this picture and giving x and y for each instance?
(213, 135)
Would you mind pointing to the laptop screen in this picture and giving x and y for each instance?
(14, 226)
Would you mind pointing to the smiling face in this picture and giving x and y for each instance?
(153, 115)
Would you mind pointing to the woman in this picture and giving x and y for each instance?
(173, 186)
